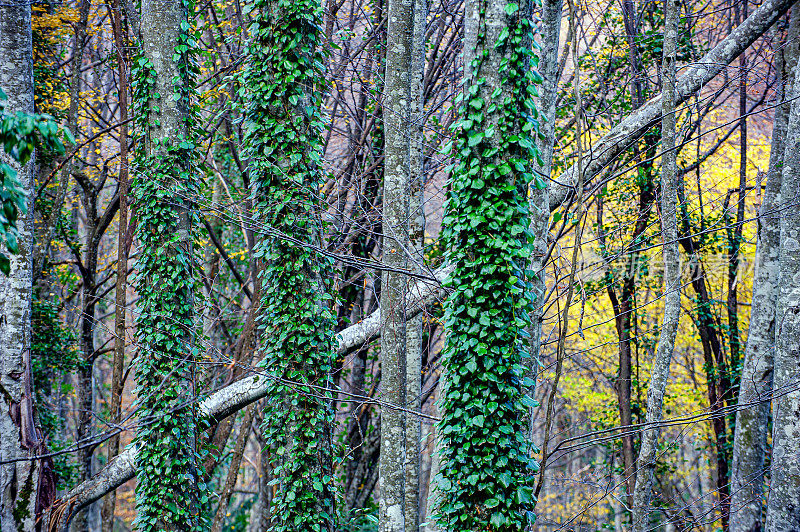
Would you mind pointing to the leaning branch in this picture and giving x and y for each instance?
(632, 128)
(228, 401)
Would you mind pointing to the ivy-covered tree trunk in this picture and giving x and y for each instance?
(752, 415)
(19, 438)
(282, 88)
(659, 375)
(486, 476)
(783, 508)
(168, 494)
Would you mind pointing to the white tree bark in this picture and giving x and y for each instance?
(19, 438)
(672, 283)
(783, 508)
(695, 76)
(750, 440)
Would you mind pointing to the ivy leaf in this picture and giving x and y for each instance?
(498, 520)
(475, 139)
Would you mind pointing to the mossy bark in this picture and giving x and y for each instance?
(19, 438)
(783, 509)
(752, 416)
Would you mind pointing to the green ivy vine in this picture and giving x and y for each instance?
(487, 468)
(282, 88)
(20, 133)
(169, 493)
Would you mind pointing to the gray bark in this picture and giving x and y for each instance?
(19, 438)
(120, 301)
(624, 134)
(539, 198)
(416, 241)
(750, 440)
(672, 283)
(396, 251)
(783, 508)
(231, 399)
(160, 29)
(436, 465)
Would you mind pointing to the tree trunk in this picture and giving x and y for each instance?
(416, 242)
(167, 493)
(283, 86)
(539, 199)
(485, 236)
(624, 316)
(396, 247)
(783, 509)
(672, 298)
(734, 233)
(43, 240)
(233, 470)
(752, 416)
(118, 363)
(19, 438)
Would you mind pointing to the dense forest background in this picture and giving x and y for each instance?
(399, 265)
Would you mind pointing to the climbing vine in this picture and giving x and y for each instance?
(281, 85)
(20, 133)
(54, 351)
(486, 479)
(169, 492)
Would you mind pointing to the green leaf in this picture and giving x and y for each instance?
(475, 139)
(498, 520)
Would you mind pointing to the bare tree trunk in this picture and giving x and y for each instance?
(783, 509)
(539, 196)
(735, 233)
(48, 230)
(122, 260)
(750, 440)
(672, 298)
(396, 247)
(416, 241)
(436, 463)
(19, 438)
(233, 470)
